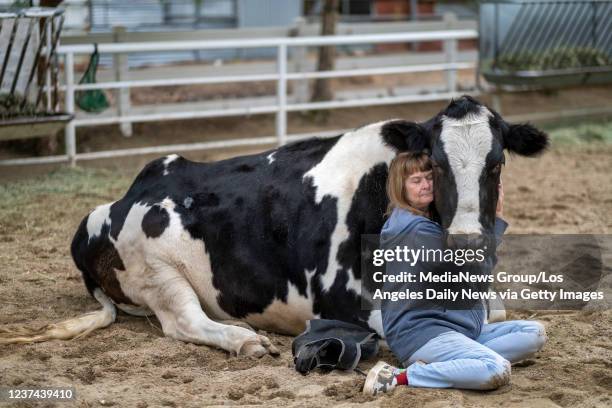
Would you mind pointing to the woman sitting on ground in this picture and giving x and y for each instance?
(442, 348)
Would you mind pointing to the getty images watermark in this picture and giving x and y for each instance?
(535, 272)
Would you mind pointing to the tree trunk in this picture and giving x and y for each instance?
(322, 87)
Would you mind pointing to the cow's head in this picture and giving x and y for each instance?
(466, 142)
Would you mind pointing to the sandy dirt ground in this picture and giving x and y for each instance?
(131, 364)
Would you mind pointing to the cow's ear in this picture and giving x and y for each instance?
(404, 136)
(525, 139)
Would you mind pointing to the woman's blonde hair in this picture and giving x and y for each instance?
(402, 167)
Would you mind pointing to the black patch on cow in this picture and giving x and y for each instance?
(147, 189)
(523, 139)
(261, 229)
(465, 105)
(245, 168)
(118, 212)
(488, 187)
(155, 221)
(97, 259)
(277, 228)
(207, 199)
(78, 249)
(365, 216)
(526, 140)
(405, 136)
(445, 185)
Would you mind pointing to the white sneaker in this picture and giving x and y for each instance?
(381, 378)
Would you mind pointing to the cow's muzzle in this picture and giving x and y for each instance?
(467, 241)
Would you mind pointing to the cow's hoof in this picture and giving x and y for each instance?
(258, 347)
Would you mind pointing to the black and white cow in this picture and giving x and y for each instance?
(273, 239)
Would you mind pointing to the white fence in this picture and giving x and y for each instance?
(280, 108)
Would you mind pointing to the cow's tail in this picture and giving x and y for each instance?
(67, 329)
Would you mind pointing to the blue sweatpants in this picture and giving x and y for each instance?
(453, 360)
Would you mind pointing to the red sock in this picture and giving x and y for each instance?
(402, 378)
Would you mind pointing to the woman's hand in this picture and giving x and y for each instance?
(499, 210)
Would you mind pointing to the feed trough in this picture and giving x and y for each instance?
(29, 94)
(547, 43)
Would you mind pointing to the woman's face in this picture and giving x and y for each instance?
(419, 189)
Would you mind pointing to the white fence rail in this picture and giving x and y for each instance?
(281, 76)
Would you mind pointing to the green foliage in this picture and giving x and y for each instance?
(582, 134)
(103, 185)
(556, 58)
(19, 4)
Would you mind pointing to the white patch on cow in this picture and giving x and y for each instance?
(375, 322)
(467, 141)
(151, 264)
(135, 310)
(97, 219)
(131, 239)
(338, 176)
(169, 159)
(271, 158)
(286, 317)
(187, 202)
(309, 277)
(375, 318)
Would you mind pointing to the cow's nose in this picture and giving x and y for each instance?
(465, 241)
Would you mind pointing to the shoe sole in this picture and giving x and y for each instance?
(368, 387)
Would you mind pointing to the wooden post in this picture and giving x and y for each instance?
(414, 16)
(299, 62)
(496, 101)
(450, 51)
(121, 68)
(327, 54)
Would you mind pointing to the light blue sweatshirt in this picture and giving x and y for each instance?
(407, 330)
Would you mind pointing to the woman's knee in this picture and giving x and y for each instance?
(538, 331)
(498, 375)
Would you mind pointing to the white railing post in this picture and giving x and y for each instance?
(48, 66)
(70, 130)
(120, 65)
(450, 52)
(281, 95)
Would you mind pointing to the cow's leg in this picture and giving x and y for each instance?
(238, 323)
(176, 305)
(495, 309)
